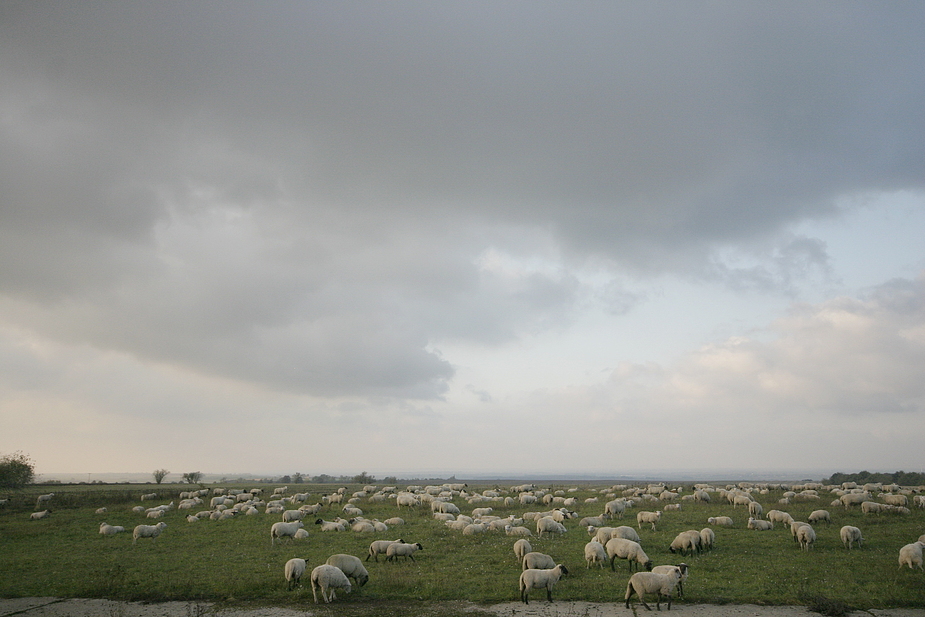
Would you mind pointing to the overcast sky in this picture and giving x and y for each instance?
(479, 237)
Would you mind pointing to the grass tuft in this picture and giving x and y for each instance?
(818, 603)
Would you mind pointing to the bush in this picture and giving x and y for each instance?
(16, 470)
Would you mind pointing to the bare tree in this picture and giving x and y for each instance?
(159, 475)
(192, 477)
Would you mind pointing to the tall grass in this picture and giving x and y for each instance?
(234, 560)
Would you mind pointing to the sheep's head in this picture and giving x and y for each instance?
(648, 566)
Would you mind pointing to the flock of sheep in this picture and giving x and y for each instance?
(538, 570)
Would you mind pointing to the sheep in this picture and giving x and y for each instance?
(290, 516)
(363, 527)
(548, 525)
(686, 542)
(794, 526)
(43, 499)
(517, 531)
(110, 530)
(642, 583)
(819, 515)
(648, 518)
(293, 571)
(300, 534)
(707, 539)
(148, 531)
(759, 525)
(378, 547)
(806, 536)
(330, 525)
(521, 548)
(328, 578)
(614, 508)
(37, 516)
(595, 553)
(397, 549)
(540, 579)
(284, 530)
(683, 567)
(850, 535)
(911, 555)
(627, 533)
(629, 550)
(591, 521)
(755, 509)
(872, 507)
(722, 521)
(779, 516)
(537, 561)
(351, 566)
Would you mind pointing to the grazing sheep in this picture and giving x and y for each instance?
(872, 507)
(755, 509)
(794, 526)
(293, 570)
(328, 578)
(284, 530)
(148, 531)
(759, 525)
(683, 567)
(911, 555)
(537, 561)
(37, 516)
(110, 530)
(540, 579)
(707, 540)
(850, 535)
(549, 525)
(779, 516)
(378, 547)
(627, 533)
(629, 550)
(648, 518)
(686, 542)
(661, 585)
(595, 553)
(351, 566)
(521, 548)
(398, 549)
(819, 515)
(806, 536)
(614, 508)
(722, 521)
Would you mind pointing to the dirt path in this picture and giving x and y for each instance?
(57, 607)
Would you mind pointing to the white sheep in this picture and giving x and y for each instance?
(540, 579)
(537, 561)
(707, 540)
(290, 516)
(148, 531)
(37, 516)
(549, 525)
(293, 571)
(397, 549)
(378, 547)
(755, 509)
(330, 525)
(779, 516)
(759, 524)
(683, 567)
(686, 542)
(819, 515)
(662, 585)
(806, 536)
(722, 521)
(518, 531)
(284, 530)
(595, 553)
(794, 526)
(648, 518)
(850, 535)
(110, 530)
(911, 555)
(351, 566)
(328, 578)
(521, 548)
(614, 508)
(629, 550)
(627, 533)
(43, 499)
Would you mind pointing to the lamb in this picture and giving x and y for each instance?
(648, 517)
(806, 536)
(850, 535)
(595, 553)
(537, 561)
(397, 549)
(328, 578)
(723, 521)
(284, 530)
(683, 567)
(351, 566)
(820, 515)
(293, 571)
(642, 583)
(759, 525)
(148, 531)
(378, 547)
(629, 550)
(540, 579)
(911, 555)
(521, 548)
(110, 530)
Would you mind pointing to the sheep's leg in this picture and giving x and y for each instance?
(549, 594)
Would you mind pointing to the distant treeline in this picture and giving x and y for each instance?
(903, 478)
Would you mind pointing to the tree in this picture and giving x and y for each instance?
(192, 477)
(160, 474)
(298, 478)
(364, 478)
(16, 470)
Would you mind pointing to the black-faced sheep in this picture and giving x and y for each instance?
(397, 549)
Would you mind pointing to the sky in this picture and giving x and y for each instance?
(512, 238)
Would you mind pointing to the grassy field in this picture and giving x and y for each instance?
(234, 561)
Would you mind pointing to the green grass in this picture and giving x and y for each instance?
(233, 561)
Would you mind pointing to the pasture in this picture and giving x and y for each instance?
(233, 560)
